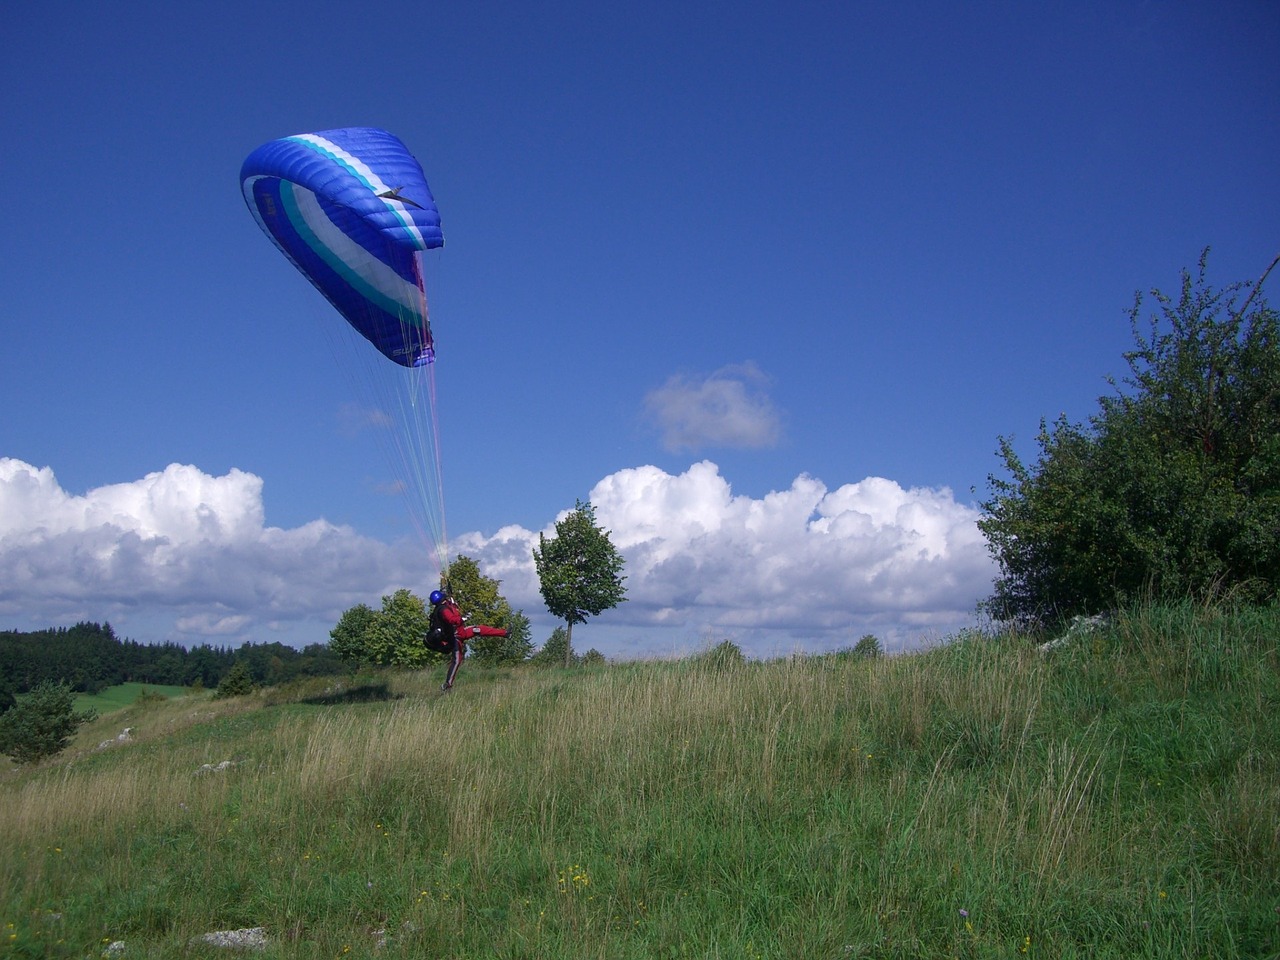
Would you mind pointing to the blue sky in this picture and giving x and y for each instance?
(765, 281)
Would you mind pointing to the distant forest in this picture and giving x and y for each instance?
(89, 657)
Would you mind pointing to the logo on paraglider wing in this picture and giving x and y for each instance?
(395, 195)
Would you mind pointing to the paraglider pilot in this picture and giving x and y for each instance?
(448, 633)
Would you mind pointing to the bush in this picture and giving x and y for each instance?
(556, 652)
(1171, 490)
(237, 682)
(868, 647)
(725, 655)
(42, 723)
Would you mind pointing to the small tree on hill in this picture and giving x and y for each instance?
(42, 723)
(580, 570)
(867, 647)
(238, 682)
(556, 652)
(1171, 491)
(724, 656)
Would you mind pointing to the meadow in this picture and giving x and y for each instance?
(1117, 797)
(125, 694)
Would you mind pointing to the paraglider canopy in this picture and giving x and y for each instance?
(352, 210)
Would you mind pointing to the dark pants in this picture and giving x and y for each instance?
(455, 661)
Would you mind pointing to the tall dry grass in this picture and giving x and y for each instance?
(979, 799)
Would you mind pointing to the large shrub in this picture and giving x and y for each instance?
(1171, 490)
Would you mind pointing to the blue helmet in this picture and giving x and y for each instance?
(436, 598)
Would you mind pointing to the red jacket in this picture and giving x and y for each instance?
(451, 614)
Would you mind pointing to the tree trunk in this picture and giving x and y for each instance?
(568, 644)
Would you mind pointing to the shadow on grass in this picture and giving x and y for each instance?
(365, 693)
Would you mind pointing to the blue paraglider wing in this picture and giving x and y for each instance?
(352, 210)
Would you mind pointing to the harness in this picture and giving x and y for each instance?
(441, 635)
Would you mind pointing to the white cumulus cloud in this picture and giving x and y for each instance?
(727, 408)
(178, 541)
(805, 566)
(182, 555)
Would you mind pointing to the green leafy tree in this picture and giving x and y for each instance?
(580, 570)
(481, 602)
(1171, 490)
(347, 638)
(394, 636)
(42, 723)
(391, 635)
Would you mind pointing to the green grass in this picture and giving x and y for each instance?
(125, 694)
(1119, 798)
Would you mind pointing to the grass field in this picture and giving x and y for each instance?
(1117, 798)
(123, 695)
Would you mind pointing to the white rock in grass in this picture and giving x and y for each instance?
(1080, 627)
(249, 938)
(124, 737)
(216, 767)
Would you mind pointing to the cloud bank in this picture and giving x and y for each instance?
(178, 547)
(190, 557)
(805, 567)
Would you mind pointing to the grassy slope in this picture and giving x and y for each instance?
(1119, 798)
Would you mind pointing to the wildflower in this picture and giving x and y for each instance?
(1026, 945)
(1162, 895)
(964, 913)
(575, 878)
